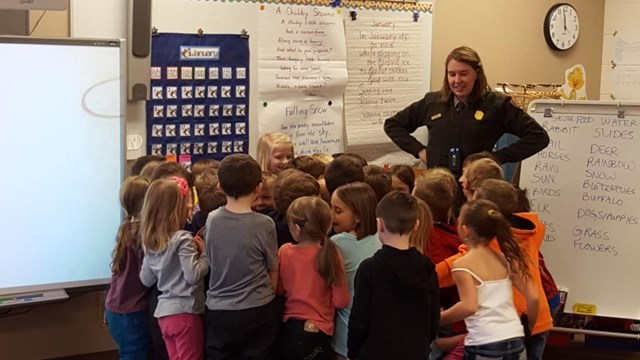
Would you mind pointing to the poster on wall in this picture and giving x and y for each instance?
(302, 75)
(199, 103)
(388, 61)
(625, 73)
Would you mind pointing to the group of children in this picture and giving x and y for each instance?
(324, 257)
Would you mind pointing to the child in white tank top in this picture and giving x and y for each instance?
(484, 280)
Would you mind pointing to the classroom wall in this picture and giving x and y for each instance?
(492, 27)
(508, 36)
(13, 22)
(54, 330)
(34, 23)
(49, 23)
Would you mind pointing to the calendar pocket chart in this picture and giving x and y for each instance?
(199, 101)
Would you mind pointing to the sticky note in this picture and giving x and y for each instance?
(171, 158)
(584, 309)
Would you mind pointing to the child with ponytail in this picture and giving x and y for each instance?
(484, 278)
(127, 299)
(312, 277)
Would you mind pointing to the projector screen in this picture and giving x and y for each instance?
(62, 137)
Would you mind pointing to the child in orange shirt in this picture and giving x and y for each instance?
(529, 231)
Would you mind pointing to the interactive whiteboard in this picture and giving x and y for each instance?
(61, 136)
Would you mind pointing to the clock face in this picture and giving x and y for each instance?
(561, 27)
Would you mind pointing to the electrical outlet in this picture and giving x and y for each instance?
(134, 147)
(134, 142)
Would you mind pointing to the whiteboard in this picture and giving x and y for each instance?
(586, 188)
(61, 133)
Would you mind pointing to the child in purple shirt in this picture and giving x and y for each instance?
(127, 300)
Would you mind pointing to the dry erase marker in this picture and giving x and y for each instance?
(29, 297)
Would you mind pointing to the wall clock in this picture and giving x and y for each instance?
(561, 27)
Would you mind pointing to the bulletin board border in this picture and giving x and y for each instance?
(358, 4)
(389, 5)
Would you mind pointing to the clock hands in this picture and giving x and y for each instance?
(561, 39)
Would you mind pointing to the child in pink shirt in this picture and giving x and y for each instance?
(313, 279)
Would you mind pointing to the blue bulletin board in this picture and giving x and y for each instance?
(199, 102)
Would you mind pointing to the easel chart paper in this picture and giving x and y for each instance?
(302, 61)
(388, 64)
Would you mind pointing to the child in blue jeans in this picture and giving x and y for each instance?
(127, 299)
(484, 278)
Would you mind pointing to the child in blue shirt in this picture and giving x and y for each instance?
(353, 215)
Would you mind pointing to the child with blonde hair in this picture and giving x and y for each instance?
(275, 151)
(421, 237)
(353, 216)
(485, 278)
(127, 299)
(325, 158)
(176, 263)
(312, 278)
(479, 171)
(440, 174)
(437, 188)
(461, 196)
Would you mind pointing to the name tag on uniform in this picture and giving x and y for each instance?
(479, 115)
(436, 116)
